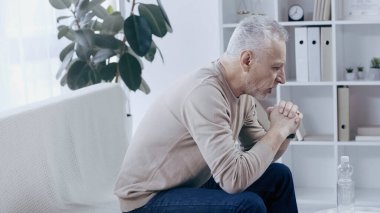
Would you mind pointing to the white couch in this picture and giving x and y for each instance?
(63, 154)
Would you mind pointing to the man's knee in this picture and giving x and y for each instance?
(281, 170)
(250, 202)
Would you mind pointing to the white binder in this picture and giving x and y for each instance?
(300, 38)
(326, 54)
(343, 113)
(314, 53)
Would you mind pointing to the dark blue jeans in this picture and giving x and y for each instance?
(272, 192)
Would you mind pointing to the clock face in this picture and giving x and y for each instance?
(295, 12)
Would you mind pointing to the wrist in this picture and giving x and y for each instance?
(276, 137)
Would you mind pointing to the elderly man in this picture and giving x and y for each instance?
(184, 157)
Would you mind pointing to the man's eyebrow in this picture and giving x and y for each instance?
(278, 63)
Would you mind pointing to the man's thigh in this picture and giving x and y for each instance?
(201, 200)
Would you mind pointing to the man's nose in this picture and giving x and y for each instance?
(281, 78)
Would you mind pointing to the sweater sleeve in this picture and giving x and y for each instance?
(205, 113)
(252, 131)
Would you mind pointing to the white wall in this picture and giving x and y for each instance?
(193, 43)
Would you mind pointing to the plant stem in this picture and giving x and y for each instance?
(133, 6)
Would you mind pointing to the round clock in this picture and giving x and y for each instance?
(295, 13)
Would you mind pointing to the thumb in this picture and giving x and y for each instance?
(270, 109)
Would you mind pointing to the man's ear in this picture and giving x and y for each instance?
(246, 59)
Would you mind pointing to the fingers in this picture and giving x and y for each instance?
(281, 106)
(288, 109)
(299, 117)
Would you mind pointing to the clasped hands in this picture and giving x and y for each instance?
(285, 109)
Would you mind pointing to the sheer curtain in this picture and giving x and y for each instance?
(29, 51)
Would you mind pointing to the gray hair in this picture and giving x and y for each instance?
(252, 33)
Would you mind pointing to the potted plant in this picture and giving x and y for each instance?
(361, 73)
(104, 46)
(374, 71)
(350, 75)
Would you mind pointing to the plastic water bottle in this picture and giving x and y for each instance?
(346, 188)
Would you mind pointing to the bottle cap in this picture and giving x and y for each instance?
(344, 159)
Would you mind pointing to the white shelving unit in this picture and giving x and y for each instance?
(314, 163)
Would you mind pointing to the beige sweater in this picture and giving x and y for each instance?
(188, 135)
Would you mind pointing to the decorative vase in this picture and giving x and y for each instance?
(350, 76)
(374, 74)
(361, 75)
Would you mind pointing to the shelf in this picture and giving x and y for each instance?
(330, 83)
(316, 196)
(358, 143)
(322, 198)
(232, 25)
(354, 22)
(367, 197)
(296, 83)
(306, 23)
(358, 83)
(311, 143)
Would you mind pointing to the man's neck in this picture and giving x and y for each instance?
(231, 72)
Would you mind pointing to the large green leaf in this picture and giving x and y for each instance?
(75, 2)
(85, 38)
(82, 52)
(154, 16)
(65, 63)
(112, 24)
(66, 50)
(78, 75)
(144, 87)
(100, 12)
(138, 34)
(94, 3)
(82, 8)
(94, 75)
(87, 20)
(130, 71)
(108, 72)
(63, 81)
(70, 35)
(107, 42)
(63, 31)
(60, 4)
(102, 55)
(96, 25)
(168, 25)
(152, 51)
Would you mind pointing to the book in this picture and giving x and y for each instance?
(315, 10)
(318, 138)
(367, 138)
(327, 10)
(369, 131)
(321, 8)
(300, 133)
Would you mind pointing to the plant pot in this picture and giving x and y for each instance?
(374, 74)
(351, 76)
(361, 75)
